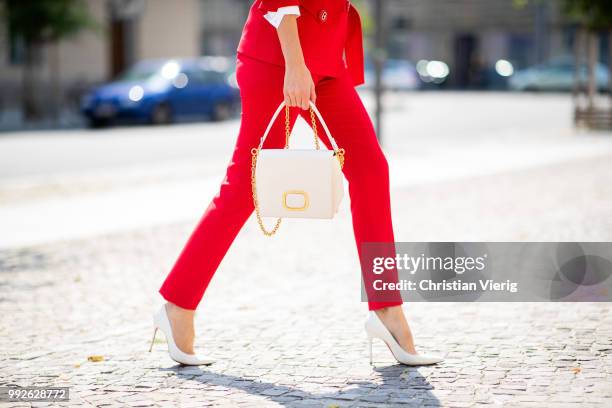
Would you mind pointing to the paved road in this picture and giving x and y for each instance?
(414, 123)
(282, 316)
(142, 176)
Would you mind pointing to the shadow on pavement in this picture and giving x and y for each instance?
(400, 385)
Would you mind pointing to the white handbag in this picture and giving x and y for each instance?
(296, 183)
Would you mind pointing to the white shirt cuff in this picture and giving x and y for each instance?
(275, 17)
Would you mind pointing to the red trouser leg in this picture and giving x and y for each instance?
(261, 87)
(367, 173)
(261, 90)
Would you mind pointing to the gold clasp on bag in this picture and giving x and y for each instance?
(295, 192)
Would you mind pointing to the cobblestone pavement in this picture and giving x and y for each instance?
(283, 319)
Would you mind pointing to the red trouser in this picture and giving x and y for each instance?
(365, 168)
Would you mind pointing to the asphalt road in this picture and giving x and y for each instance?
(413, 123)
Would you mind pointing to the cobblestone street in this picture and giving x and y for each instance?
(283, 319)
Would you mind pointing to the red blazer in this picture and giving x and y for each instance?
(328, 30)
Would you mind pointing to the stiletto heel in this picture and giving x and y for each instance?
(370, 341)
(375, 328)
(162, 322)
(153, 339)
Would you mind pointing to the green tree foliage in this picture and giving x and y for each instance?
(594, 14)
(39, 22)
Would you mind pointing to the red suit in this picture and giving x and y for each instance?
(328, 29)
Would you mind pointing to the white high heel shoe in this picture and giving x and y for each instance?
(161, 322)
(376, 329)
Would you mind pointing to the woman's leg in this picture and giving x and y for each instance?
(367, 173)
(261, 91)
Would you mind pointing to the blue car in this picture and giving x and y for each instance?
(164, 91)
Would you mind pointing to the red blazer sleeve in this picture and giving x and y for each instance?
(273, 5)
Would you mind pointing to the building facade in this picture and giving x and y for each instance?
(465, 34)
(129, 30)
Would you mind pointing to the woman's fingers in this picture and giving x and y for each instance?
(289, 99)
(305, 96)
(313, 94)
(304, 100)
(298, 88)
(298, 99)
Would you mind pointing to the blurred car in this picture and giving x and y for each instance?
(162, 91)
(557, 75)
(397, 75)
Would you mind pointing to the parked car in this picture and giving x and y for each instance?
(397, 75)
(557, 75)
(162, 91)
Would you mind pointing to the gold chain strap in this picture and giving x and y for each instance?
(255, 153)
(314, 128)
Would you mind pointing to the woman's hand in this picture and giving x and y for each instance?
(299, 87)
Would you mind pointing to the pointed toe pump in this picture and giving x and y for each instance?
(162, 322)
(376, 329)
